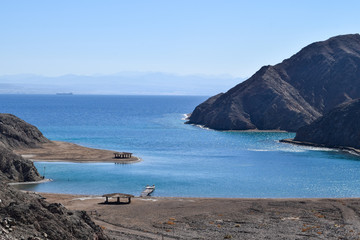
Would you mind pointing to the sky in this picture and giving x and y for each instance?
(235, 38)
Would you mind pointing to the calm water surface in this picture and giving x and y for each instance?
(181, 160)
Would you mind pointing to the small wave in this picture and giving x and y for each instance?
(310, 148)
(202, 127)
(276, 150)
(292, 150)
(186, 116)
(260, 150)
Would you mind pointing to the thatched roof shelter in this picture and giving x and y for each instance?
(123, 154)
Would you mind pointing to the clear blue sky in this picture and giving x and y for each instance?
(185, 37)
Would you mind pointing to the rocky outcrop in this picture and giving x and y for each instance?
(337, 129)
(290, 94)
(15, 168)
(15, 133)
(27, 216)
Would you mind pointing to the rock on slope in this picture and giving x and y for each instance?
(338, 128)
(290, 94)
(25, 215)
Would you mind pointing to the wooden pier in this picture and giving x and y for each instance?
(147, 191)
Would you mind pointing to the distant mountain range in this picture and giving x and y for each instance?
(126, 83)
(290, 94)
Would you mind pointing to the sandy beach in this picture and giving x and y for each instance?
(217, 218)
(57, 151)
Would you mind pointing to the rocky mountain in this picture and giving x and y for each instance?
(338, 128)
(290, 94)
(27, 215)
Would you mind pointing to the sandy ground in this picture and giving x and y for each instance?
(202, 218)
(56, 151)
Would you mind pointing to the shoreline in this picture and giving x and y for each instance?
(31, 182)
(186, 119)
(57, 151)
(350, 150)
(219, 218)
(189, 198)
(88, 161)
(239, 131)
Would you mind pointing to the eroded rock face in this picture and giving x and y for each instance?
(338, 128)
(15, 133)
(290, 94)
(15, 168)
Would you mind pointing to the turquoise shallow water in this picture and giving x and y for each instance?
(181, 160)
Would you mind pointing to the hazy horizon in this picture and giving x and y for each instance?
(126, 83)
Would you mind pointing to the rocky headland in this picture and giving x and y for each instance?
(339, 128)
(291, 94)
(27, 215)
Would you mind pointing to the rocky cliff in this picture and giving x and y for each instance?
(26, 215)
(290, 94)
(15, 168)
(15, 133)
(338, 128)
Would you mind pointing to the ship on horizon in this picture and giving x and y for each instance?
(65, 93)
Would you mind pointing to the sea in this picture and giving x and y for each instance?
(181, 160)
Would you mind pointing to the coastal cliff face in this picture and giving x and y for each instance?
(290, 94)
(15, 168)
(338, 128)
(15, 133)
(27, 215)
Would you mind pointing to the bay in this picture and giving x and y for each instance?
(181, 160)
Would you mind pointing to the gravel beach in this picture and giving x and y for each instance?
(217, 218)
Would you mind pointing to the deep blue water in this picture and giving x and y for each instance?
(181, 160)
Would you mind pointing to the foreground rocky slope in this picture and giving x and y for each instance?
(338, 128)
(25, 215)
(291, 94)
